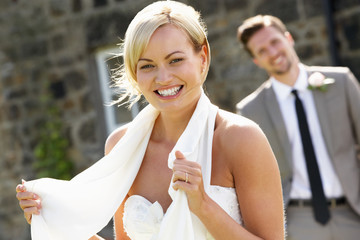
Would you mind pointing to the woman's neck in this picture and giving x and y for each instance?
(168, 126)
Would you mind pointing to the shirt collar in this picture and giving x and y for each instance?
(282, 90)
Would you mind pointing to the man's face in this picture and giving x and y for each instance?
(273, 51)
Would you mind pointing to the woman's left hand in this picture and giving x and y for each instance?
(187, 176)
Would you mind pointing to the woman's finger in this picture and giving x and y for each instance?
(31, 210)
(183, 176)
(28, 212)
(30, 204)
(34, 208)
(20, 188)
(179, 155)
(28, 217)
(26, 195)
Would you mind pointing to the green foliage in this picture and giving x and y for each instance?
(51, 149)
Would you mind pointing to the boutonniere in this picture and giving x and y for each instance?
(318, 81)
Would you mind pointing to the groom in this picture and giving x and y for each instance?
(311, 117)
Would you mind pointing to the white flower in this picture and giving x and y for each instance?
(318, 81)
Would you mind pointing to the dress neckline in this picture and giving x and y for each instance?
(156, 202)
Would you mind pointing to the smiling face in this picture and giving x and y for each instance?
(273, 51)
(170, 73)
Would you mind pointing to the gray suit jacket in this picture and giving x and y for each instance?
(338, 110)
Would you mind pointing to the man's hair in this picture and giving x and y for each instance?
(252, 25)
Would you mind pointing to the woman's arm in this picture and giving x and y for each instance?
(258, 186)
(257, 182)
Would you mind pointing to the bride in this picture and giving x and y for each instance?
(229, 179)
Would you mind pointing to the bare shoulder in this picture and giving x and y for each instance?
(254, 172)
(240, 138)
(235, 129)
(114, 137)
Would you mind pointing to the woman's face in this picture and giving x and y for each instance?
(170, 73)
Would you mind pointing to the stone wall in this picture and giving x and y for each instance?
(51, 44)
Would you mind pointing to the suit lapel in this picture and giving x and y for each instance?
(274, 112)
(321, 110)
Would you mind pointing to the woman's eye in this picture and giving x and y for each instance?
(147, 66)
(176, 60)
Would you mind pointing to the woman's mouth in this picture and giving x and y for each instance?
(169, 92)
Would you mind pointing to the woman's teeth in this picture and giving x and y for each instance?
(169, 92)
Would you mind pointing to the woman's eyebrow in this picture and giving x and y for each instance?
(170, 54)
(145, 59)
(166, 57)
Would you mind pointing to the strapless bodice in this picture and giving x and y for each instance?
(142, 218)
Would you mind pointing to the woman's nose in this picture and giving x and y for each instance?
(163, 76)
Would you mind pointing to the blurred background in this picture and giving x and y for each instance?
(54, 76)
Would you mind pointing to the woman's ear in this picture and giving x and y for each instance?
(204, 56)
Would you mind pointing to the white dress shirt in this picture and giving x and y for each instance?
(300, 184)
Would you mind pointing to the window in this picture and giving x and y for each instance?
(115, 116)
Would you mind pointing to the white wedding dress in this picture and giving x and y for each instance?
(142, 219)
(70, 211)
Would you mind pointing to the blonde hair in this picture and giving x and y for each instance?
(138, 35)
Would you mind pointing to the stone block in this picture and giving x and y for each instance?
(74, 81)
(100, 3)
(76, 6)
(231, 5)
(285, 10)
(12, 112)
(106, 28)
(313, 8)
(206, 7)
(33, 48)
(57, 89)
(87, 132)
(57, 7)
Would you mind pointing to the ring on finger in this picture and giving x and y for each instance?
(186, 177)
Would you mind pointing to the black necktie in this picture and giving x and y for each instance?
(321, 211)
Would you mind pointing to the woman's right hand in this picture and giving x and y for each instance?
(29, 202)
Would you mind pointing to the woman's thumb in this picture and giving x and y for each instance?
(179, 155)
